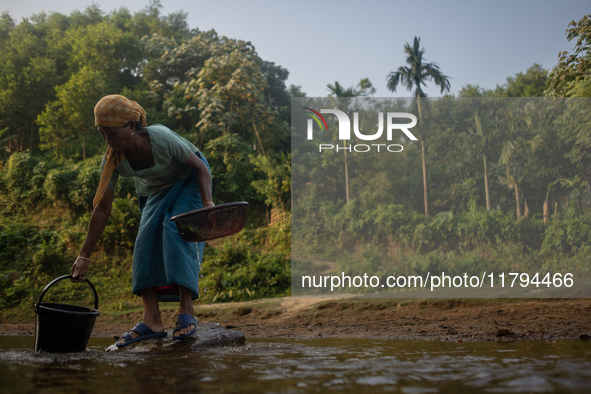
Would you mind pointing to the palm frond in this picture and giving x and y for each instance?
(417, 72)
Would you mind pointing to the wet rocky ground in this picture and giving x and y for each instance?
(207, 335)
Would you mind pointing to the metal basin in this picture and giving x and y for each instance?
(212, 222)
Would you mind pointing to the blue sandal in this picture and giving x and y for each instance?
(185, 320)
(145, 333)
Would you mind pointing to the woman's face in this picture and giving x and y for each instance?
(118, 138)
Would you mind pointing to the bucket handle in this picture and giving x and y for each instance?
(66, 277)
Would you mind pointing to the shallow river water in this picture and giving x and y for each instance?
(301, 365)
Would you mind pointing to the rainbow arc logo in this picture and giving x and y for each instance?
(315, 115)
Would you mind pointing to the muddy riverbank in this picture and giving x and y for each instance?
(440, 320)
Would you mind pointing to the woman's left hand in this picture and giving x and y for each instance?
(203, 178)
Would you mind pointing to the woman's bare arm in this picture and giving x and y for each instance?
(203, 177)
(98, 222)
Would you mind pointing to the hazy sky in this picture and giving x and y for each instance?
(319, 42)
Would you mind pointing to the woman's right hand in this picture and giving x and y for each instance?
(98, 222)
(79, 269)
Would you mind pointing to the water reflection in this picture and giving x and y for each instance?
(299, 366)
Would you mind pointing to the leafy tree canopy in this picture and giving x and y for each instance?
(532, 83)
(572, 75)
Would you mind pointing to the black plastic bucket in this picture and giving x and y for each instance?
(61, 328)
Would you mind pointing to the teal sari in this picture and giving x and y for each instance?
(161, 258)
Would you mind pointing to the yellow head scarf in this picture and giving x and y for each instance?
(114, 110)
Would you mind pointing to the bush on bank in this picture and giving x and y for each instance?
(390, 240)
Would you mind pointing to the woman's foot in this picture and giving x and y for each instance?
(184, 330)
(151, 314)
(157, 327)
(186, 307)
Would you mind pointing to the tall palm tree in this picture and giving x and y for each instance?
(363, 88)
(414, 76)
(520, 141)
(484, 134)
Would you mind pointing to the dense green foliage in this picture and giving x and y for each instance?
(571, 77)
(213, 90)
(45, 215)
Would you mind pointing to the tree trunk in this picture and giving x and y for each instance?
(525, 209)
(546, 212)
(486, 185)
(259, 138)
(516, 195)
(425, 195)
(31, 142)
(424, 179)
(346, 174)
